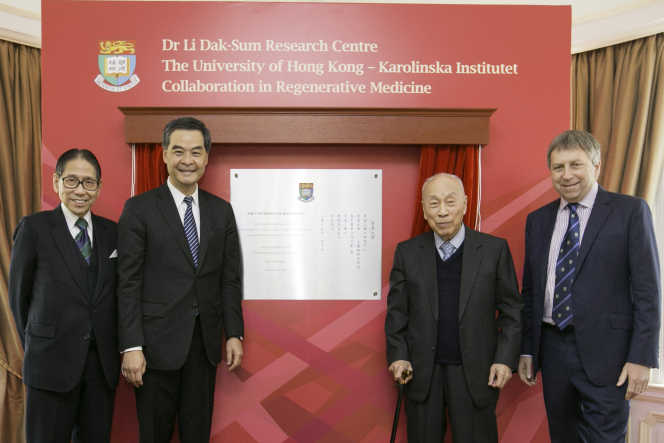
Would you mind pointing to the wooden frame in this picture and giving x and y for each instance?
(384, 126)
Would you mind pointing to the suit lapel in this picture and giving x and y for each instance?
(67, 247)
(547, 232)
(472, 258)
(206, 225)
(600, 212)
(428, 266)
(169, 211)
(101, 244)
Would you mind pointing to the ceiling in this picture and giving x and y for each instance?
(596, 23)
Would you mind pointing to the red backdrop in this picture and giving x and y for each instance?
(316, 371)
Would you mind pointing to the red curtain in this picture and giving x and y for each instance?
(150, 167)
(460, 160)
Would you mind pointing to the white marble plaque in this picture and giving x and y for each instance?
(309, 234)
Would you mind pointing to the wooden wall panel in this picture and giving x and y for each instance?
(318, 125)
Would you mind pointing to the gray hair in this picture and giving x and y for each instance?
(445, 174)
(576, 139)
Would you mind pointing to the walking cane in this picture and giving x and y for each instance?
(400, 384)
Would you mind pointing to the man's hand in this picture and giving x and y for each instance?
(638, 377)
(233, 353)
(526, 371)
(133, 367)
(499, 375)
(397, 369)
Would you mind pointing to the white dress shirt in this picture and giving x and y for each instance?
(182, 206)
(71, 220)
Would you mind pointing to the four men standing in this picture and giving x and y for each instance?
(591, 289)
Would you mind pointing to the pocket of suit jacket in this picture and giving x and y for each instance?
(153, 309)
(40, 330)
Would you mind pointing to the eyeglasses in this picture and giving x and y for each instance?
(88, 184)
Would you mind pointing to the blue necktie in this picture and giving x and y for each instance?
(448, 249)
(190, 229)
(565, 267)
(83, 240)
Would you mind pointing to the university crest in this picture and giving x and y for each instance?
(117, 61)
(306, 192)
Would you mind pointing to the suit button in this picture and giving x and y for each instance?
(196, 279)
(92, 310)
(433, 348)
(86, 338)
(194, 306)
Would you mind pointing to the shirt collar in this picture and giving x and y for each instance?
(71, 218)
(587, 202)
(179, 196)
(456, 241)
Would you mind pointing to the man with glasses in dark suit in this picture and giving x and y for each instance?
(62, 293)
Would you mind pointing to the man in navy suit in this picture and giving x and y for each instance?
(591, 288)
(62, 293)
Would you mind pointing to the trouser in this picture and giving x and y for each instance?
(427, 422)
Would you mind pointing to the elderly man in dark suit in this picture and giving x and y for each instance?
(445, 288)
(591, 286)
(62, 293)
(179, 290)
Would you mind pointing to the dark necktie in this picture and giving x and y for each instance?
(83, 240)
(565, 267)
(190, 229)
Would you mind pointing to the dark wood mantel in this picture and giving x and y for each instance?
(392, 126)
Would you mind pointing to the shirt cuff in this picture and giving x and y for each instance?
(136, 348)
(239, 337)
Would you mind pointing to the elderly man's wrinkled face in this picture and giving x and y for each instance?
(444, 204)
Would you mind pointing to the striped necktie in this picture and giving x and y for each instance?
(565, 267)
(83, 240)
(190, 229)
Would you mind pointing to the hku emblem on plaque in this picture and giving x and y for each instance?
(117, 61)
(306, 192)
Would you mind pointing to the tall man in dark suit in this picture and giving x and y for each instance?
(179, 291)
(591, 288)
(62, 292)
(445, 288)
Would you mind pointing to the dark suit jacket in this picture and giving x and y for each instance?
(488, 283)
(616, 289)
(159, 285)
(50, 301)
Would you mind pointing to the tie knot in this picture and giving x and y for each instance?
(188, 200)
(448, 249)
(82, 223)
(572, 207)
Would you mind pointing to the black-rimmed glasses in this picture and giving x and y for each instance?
(88, 184)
